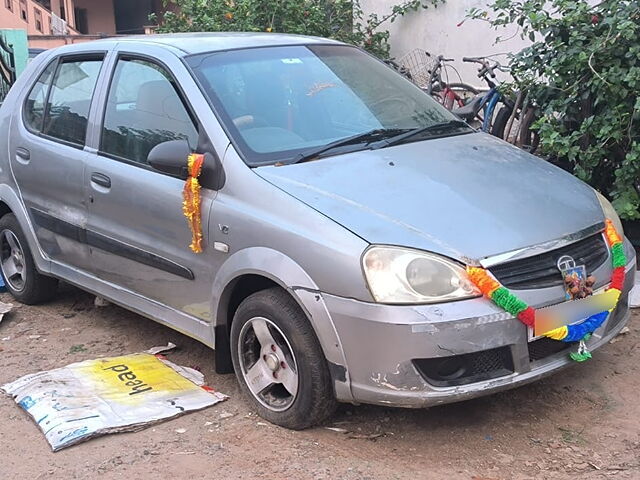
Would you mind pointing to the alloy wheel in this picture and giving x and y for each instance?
(12, 260)
(268, 364)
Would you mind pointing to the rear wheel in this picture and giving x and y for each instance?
(279, 362)
(19, 272)
(500, 122)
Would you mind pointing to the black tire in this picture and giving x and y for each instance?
(34, 287)
(500, 121)
(314, 401)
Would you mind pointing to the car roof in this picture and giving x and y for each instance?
(192, 43)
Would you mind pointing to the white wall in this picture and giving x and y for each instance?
(435, 30)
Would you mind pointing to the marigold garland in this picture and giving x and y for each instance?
(191, 201)
(504, 299)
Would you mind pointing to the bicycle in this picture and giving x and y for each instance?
(448, 93)
(482, 108)
(426, 71)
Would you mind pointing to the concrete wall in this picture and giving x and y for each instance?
(436, 31)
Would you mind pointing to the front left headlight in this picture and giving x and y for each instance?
(610, 212)
(404, 276)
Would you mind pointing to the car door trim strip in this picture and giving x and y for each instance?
(108, 244)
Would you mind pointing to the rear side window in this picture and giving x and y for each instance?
(67, 112)
(143, 109)
(34, 107)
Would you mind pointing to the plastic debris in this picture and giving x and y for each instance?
(101, 302)
(337, 430)
(4, 307)
(634, 295)
(108, 395)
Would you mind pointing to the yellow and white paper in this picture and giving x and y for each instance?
(95, 397)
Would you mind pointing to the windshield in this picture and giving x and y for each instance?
(279, 102)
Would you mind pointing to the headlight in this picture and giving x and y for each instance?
(610, 213)
(400, 276)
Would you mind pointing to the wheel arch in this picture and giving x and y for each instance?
(10, 202)
(258, 268)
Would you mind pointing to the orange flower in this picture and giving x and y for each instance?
(228, 16)
(191, 201)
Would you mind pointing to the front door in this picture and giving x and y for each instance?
(138, 237)
(47, 144)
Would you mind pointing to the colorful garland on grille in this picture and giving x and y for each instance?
(506, 300)
(191, 200)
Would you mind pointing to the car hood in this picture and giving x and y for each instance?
(467, 196)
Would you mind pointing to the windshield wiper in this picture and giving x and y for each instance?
(443, 127)
(366, 137)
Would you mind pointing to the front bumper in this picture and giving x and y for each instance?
(385, 347)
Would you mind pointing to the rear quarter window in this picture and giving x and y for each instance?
(35, 103)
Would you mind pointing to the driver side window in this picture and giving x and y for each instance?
(143, 109)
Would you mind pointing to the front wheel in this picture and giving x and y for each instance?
(279, 362)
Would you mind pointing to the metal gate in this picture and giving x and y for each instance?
(7, 68)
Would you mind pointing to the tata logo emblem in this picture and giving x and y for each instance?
(565, 263)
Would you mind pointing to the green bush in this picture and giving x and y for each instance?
(583, 71)
(340, 19)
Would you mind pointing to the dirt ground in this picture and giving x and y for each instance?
(582, 423)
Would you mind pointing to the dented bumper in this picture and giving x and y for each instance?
(415, 356)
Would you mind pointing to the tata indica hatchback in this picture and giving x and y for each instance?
(326, 227)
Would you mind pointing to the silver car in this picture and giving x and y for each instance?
(340, 206)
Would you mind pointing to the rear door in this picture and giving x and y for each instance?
(47, 143)
(138, 236)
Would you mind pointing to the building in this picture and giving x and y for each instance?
(50, 23)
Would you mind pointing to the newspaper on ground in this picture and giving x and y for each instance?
(108, 395)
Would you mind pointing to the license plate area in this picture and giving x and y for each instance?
(531, 336)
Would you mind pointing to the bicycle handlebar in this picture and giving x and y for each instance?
(474, 60)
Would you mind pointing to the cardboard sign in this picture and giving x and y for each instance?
(86, 399)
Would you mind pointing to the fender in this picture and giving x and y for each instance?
(289, 275)
(9, 196)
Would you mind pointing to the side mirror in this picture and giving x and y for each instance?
(170, 157)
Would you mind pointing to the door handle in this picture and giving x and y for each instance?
(23, 153)
(101, 179)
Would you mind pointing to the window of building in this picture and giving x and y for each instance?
(143, 109)
(82, 22)
(9, 4)
(67, 110)
(23, 10)
(37, 15)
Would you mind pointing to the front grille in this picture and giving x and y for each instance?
(541, 271)
(467, 368)
(544, 347)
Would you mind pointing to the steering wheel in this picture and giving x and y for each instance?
(249, 121)
(391, 109)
